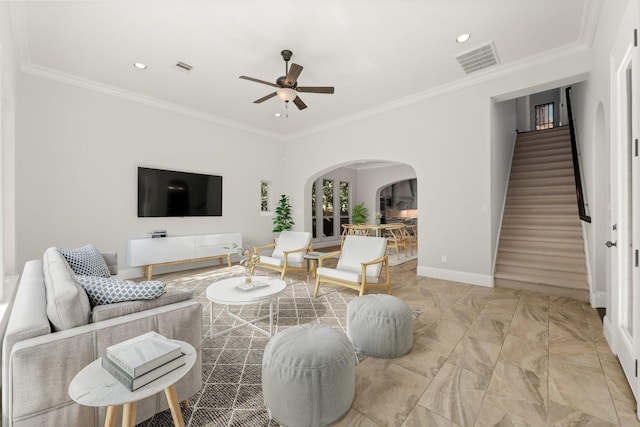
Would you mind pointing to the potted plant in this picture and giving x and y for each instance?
(360, 214)
(378, 218)
(282, 220)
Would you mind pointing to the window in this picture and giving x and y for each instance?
(264, 196)
(330, 208)
(344, 203)
(544, 116)
(327, 208)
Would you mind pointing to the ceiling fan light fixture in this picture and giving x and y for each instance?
(286, 94)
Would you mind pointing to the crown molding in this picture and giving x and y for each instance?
(485, 75)
(134, 97)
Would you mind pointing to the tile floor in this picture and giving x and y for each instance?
(492, 357)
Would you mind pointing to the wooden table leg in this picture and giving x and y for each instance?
(129, 414)
(174, 405)
(112, 414)
(186, 404)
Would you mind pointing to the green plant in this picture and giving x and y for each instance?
(282, 220)
(360, 214)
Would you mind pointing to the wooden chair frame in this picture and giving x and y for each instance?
(363, 284)
(285, 268)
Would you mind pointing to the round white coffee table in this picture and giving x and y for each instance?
(94, 386)
(229, 292)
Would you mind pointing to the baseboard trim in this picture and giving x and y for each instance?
(456, 276)
(598, 299)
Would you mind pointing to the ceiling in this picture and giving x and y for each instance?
(376, 53)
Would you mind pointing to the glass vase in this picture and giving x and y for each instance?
(247, 275)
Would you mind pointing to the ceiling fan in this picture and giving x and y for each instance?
(287, 86)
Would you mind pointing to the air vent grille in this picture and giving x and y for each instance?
(478, 59)
(184, 66)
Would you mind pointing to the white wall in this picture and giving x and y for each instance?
(77, 162)
(503, 139)
(452, 162)
(592, 112)
(8, 70)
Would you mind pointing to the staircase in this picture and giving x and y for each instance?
(541, 247)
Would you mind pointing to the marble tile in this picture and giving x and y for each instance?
(353, 418)
(489, 329)
(530, 329)
(426, 357)
(560, 415)
(501, 309)
(617, 381)
(456, 394)
(626, 413)
(581, 388)
(422, 417)
(462, 314)
(490, 416)
(475, 355)
(519, 392)
(525, 354)
(386, 392)
(446, 331)
(574, 352)
(562, 328)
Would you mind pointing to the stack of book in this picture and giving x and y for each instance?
(142, 359)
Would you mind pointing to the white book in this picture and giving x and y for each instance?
(143, 353)
(135, 383)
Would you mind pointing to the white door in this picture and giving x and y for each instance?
(625, 207)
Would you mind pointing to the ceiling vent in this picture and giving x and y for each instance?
(478, 59)
(184, 66)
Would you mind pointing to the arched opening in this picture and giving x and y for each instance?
(331, 194)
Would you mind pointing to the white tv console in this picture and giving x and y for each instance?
(147, 252)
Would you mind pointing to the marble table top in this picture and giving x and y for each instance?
(229, 292)
(94, 386)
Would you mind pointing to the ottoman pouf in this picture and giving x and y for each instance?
(380, 326)
(308, 375)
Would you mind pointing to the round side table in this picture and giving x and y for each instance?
(94, 386)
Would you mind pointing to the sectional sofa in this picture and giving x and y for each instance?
(54, 331)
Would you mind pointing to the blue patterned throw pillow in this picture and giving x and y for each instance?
(86, 261)
(102, 291)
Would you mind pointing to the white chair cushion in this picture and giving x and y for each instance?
(289, 241)
(278, 262)
(359, 249)
(345, 275)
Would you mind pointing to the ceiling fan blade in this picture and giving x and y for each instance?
(264, 98)
(316, 89)
(259, 81)
(292, 75)
(301, 105)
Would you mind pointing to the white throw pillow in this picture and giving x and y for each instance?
(86, 261)
(102, 290)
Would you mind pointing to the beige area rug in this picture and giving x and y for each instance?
(232, 364)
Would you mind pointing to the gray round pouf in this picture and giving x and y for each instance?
(380, 326)
(308, 375)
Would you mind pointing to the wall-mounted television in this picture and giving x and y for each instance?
(166, 193)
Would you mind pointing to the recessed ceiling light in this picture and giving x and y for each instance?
(463, 38)
(277, 114)
(139, 65)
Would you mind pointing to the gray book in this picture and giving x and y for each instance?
(135, 383)
(143, 353)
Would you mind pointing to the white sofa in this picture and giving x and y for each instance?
(39, 358)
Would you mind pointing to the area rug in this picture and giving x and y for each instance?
(232, 363)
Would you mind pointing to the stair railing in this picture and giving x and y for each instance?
(582, 212)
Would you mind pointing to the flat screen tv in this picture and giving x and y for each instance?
(165, 193)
